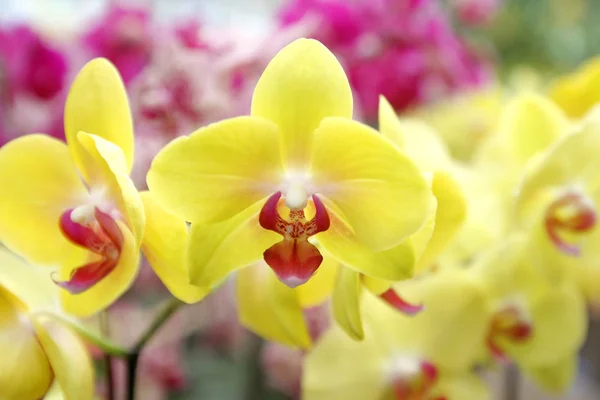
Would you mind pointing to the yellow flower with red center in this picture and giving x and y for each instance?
(429, 356)
(291, 182)
(73, 206)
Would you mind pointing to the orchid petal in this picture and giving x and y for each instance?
(302, 84)
(19, 379)
(269, 308)
(39, 181)
(97, 103)
(219, 170)
(69, 358)
(216, 250)
(164, 245)
(381, 193)
(346, 303)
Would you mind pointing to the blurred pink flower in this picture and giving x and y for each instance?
(403, 49)
(30, 65)
(124, 35)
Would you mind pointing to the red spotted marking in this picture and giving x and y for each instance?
(294, 259)
(103, 238)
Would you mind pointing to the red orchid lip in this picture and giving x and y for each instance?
(294, 259)
(102, 237)
(581, 217)
(507, 323)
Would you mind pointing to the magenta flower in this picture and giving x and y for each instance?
(30, 64)
(403, 49)
(124, 36)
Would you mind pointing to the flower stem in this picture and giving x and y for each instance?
(511, 382)
(90, 336)
(105, 328)
(134, 354)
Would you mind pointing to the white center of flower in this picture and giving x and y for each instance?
(296, 189)
(84, 214)
(403, 367)
(296, 197)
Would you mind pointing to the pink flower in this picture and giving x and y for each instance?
(124, 36)
(403, 49)
(30, 65)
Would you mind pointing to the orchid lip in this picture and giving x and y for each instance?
(572, 213)
(509, 323)
(294, 259)
(96, 231)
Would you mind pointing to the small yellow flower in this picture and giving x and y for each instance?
(37, 349)
(429, 356)
(538, 323)
(74, 206)
(295, 182)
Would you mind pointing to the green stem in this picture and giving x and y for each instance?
(134, 354)
(90, 336)
(105, 328)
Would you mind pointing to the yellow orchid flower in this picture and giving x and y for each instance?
(37, 349)
(427, 357)
(558, 201)
(293, 182)
(528, 126)
(74, 206)
(416, 253)
(578, 92)
(532, 314)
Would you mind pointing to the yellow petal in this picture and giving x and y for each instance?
(416, 139)
(270, 308)
(380, 192)
(219, 170)
(389, 124)
(320, 286)
(556, 377)
(578, 92)
(109, 161)
(339, 368)
(463, 386)
(97, 103)
(571, 160)
(346, 303)
(55, 393)
(26, 372)
(303, 84)
(529, 124)
(450, 214)
(216, 250)
(110, 288)
(69, 359)
(39, 182)
(32, 285)
(164, 245)
(393, 264)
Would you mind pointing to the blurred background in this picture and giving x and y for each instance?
(187, 63)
